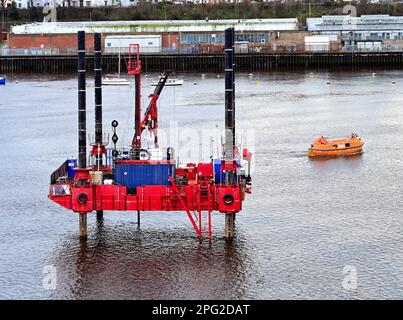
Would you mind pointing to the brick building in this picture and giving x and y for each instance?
(175, 35)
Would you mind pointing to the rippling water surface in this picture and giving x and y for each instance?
(304, 223)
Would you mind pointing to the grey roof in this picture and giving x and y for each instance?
(365, 22)
(157, 26)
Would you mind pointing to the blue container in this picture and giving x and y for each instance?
(2, 80)
(71, 164)
(220, 178)
(217, 166)
(133, 175)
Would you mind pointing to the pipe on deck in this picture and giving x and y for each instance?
(229, 120)
(137, 117)
(98, 96)
(98, 87)
(82, 114)
(229, 95)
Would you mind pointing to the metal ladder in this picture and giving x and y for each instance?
(192, 215)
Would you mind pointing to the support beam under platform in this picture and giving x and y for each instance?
(83, 225)
(138, 217)
(229, 226)
(100, 215)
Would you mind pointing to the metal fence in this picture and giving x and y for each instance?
(37, 52)
(73, 51)
(183, 49)
(202, 49)
(383, 48)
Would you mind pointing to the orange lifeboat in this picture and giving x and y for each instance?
(339, 147)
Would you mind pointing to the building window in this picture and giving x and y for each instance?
(219, 38)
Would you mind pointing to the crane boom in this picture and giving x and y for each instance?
(150, 119)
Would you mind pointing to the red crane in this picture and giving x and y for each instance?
(133, 181)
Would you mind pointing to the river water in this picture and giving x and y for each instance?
(311, 228)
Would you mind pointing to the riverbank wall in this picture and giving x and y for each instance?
(60, 64)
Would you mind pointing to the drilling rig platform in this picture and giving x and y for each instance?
(138, 180)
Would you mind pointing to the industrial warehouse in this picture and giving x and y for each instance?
(325, 34)
(192, 36)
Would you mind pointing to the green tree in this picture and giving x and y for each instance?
(13, 13)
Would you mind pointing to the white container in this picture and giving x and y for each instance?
(156, 153)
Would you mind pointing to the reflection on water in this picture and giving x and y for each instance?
(304, 222)
(122, 261)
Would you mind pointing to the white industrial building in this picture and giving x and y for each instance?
(96, 3)
(179, 36)
(20, 4)
(367, 32)
(23, 4)
(147, 43)
(380, 25)
(317, 43)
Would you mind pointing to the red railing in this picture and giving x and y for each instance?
(134, 64)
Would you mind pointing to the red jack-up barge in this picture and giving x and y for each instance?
(139, 181)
